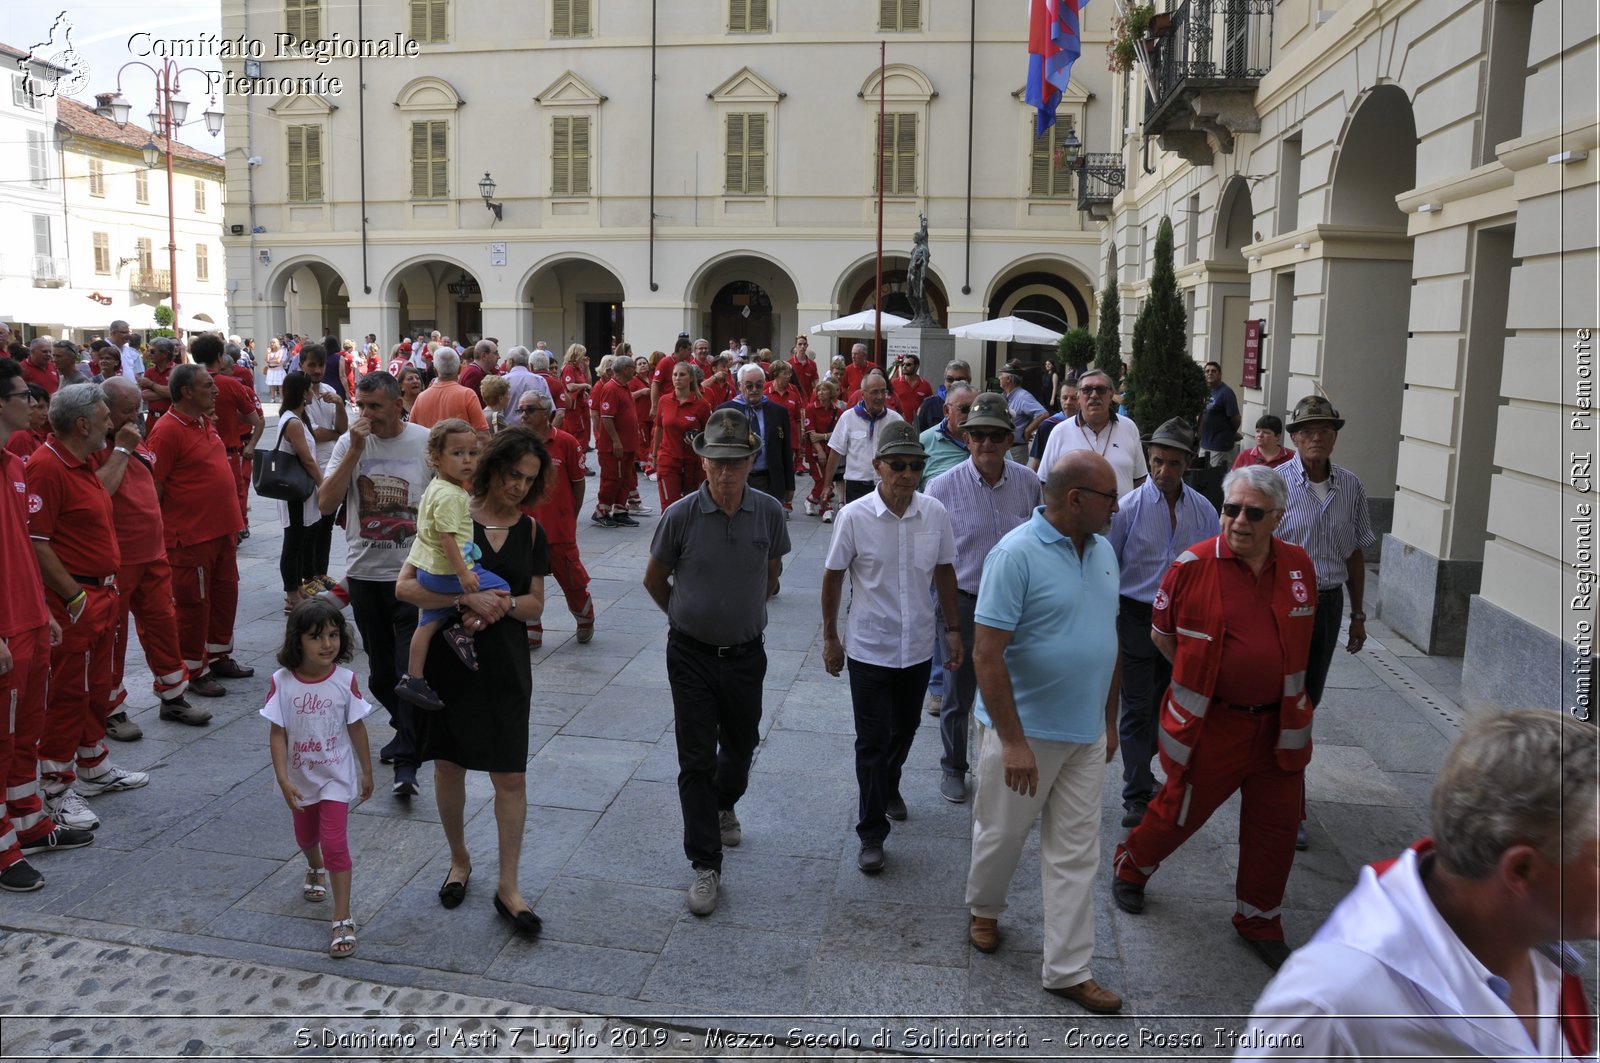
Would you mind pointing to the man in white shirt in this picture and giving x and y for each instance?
(894, 543)
(1455, 949)
(1099, 429)
(132, 360)
(855, 437)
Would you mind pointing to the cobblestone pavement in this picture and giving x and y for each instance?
(188, 904)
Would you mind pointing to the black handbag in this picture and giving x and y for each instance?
(278, 473)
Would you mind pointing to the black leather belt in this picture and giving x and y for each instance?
(1327, 595)
(1255, 710)
(964, 594)
(96, 581)
(739, 650)
(1134, 606)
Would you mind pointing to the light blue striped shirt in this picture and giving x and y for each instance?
(981, 515)
(1329, 529)
(1146, 539)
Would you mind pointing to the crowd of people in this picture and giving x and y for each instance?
(1051, 576)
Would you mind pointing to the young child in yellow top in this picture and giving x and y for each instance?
(445, 555)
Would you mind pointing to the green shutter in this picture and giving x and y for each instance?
(419, 160)
(580, 18)
(313, 164)
(419, 20)
(755, 155)
(561, 156)
(738, 16)
(758, 16)
(905, 162)
(580, 155)
(733, 185)
(438, 19)
(302, 19)
(1039, 164)
(910, 15)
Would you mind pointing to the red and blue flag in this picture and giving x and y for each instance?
(1053, 45)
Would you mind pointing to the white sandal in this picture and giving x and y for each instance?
(346, 938)
(315, 889)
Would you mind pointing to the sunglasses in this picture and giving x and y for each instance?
(965, 408)
(1095, 389)
(993, 435)
(529, 411)
(1253, 514)
(956, 380)
(901, 466)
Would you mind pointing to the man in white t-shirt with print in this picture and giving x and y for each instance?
(1098, 428)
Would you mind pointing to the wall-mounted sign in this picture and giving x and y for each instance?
(1253, 331)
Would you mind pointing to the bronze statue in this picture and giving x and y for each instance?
(916, 276)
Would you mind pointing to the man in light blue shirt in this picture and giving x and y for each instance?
(1047, 677)
(1154, 523)
(946, 442)
(1026, 412)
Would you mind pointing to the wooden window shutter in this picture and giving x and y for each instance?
(738, 16)
(561, 18)
(755, 158)
(313, 163)
(580, 18)
(302, 19)
(580, 155)
(312, 18)
(734, 155)
(438, 19)
(904, 178)
(419, 20)
(292, 24)
(419, 160)
(1039, 164)
(910, 15)
(438, 161)
(561, 156)
(888, 14)
(758, 16)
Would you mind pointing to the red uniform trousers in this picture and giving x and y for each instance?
(677, 477)
(205, 590)
(618, 478)
(573, 579)
(240, 461)
(147, 593)
(814, 469)
(22, 694)
(80, 688)
(1237, 751)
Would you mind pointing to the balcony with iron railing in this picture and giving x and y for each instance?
(152, 281)
(1100, 178)
(1204, 71)
(49, 271)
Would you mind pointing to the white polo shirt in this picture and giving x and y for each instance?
(891, 561)
(1118, 443)
(856, 439)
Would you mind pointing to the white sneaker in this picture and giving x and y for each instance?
(653, 478)
(811, 508)
(703, 894)
(110, 779)
(827, 516)
(69, 810)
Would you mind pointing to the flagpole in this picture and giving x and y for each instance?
(877, 299)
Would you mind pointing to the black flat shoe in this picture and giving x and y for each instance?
(451, 894)
(525, 921)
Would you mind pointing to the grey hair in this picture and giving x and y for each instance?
(1524, 777)
(958, 363)
(1102, 374)
(960, 385)
(233, 350)
(72, 402)
(875, 373)
(380, 380)
(117, 324)
(42, 341)
(164, 343)
(1259, 478)
(447, 363)
(518, 355)
(539, 362)
(545, 402)
(745, 371)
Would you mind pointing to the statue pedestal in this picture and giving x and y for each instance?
(933, 346)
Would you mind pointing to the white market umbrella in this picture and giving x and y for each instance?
(858, 324)
(1007, 330)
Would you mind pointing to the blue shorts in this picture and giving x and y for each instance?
(449, 584)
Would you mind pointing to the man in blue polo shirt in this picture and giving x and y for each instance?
(1046, 653)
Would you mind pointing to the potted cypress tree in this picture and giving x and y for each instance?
(1164, 381)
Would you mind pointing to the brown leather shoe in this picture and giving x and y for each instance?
(984, 933)
(207, 687)
(1089, 995)
(228, 668)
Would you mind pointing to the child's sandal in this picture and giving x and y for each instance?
(344, 939)
(315, 889)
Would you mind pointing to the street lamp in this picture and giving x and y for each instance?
(486, 190)
(170, 112)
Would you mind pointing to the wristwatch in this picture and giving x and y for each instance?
(1358, 616)
(513, 603)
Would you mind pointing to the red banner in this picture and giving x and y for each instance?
(1252, 352)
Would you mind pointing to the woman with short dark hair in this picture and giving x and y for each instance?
(1269, 449)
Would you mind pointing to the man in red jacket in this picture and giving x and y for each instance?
(1234, 616)
(557, 512)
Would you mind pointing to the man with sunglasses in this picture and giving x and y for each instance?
(773, 468)
(1099, 428)
(1327, 514)
(986, 497)
(1154, 523)
(895, 543)
(931, 411)
(1234, 616)
(946, 442)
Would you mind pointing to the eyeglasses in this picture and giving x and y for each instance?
(529, 411)
(1253, 514)
(1102, 494)
(18, 394)
(957, 380)
(993, 435)
(965, 407)
(902, 466)
(1094, 389)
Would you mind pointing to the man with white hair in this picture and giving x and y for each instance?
(521, 379)
(1026, 411)
(1456, 949)
(40, 365)
(132, 361)
(1099, 428)
(773, 469)
(485, 359)
(445, 397)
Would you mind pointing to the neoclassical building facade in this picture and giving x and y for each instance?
(704, 166)
(1403, 194)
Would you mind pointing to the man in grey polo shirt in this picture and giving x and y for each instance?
(715, 560)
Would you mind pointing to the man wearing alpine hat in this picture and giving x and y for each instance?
(715, 560)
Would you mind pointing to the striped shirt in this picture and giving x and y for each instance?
(981, 515)
(1329, 529)
(1147, 541)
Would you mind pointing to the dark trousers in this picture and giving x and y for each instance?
(716, 715)
(1324, 640)
(762, 481)
(321, 544)
(955, 715)
(1145, 677)
(295, 555)
(888, 708)
(386, 625)
(854, 489)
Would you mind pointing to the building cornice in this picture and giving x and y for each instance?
(1328, 241)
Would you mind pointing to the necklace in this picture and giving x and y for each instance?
(1093, 438)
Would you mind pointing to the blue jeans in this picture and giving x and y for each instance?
(449, 584)
(936, 675)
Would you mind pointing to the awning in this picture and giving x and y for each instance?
(50, 309)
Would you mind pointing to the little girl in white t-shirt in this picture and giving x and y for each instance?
(319, 751)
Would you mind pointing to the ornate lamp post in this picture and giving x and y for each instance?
(169, 113)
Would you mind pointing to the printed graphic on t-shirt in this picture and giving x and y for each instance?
(387, 507)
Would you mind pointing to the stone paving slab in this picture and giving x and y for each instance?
(192, 885)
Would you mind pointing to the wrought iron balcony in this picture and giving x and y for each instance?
(1100, 178)
(1205, 69)
(49, 272)
(152, 281)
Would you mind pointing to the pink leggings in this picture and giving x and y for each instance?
(323, 823)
